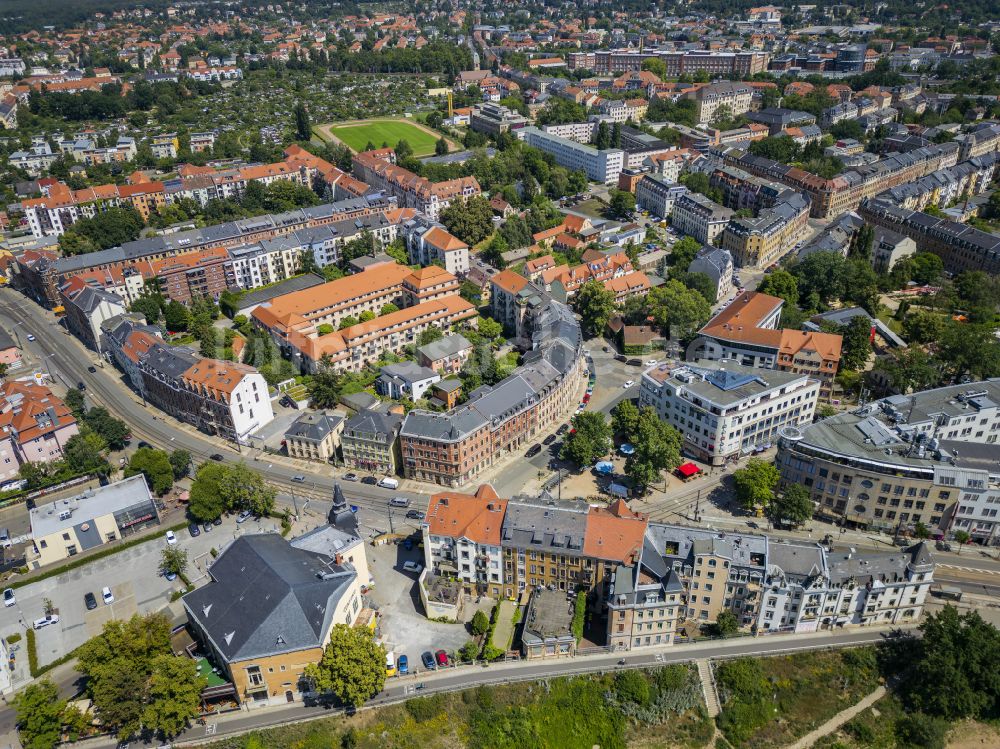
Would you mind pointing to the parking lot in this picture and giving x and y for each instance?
(134, 578)
(404, 628)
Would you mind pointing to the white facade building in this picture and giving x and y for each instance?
(602, 166)
(724, 410)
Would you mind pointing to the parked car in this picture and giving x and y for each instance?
(414, 567)
(628, 383)
(441, 657)
(387, 482)
(549, 440)
(81, 385)
(350, 477)
(207, 527)
(533, 450)
(403, 665)
(142, 444)
(621, 357)
(562, 430)
(217, 521)
(90, 601)
(634, 362)
(171, 538)
(216, 456)
(45, 621)
(92, 369)
(108, 596)
(194, 530)
(428, 660)
(652, 362)
(170, 575)
(8, 597)
(940, 546)
(415, 515)
(31, 337)
(370, 480)
(243, 516)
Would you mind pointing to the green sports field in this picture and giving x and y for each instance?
(357, 136)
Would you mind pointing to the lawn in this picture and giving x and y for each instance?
(357, 136)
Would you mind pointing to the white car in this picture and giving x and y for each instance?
(652, 362)
(628, 384)
(8, 597)
(108, 596)
(31, 337)
(414, 567)
(45, 621)
(171, 538)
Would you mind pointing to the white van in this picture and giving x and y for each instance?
(389, 483)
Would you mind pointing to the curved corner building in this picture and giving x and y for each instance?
(930, 457)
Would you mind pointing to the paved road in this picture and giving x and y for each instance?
(67, 360)
(465, 677)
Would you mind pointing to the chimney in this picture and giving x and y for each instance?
(339, 558)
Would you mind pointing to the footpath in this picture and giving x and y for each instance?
(844, 716)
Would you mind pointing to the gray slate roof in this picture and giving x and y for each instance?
(267, 597)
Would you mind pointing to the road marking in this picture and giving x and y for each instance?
(210, 729)
(980, 570)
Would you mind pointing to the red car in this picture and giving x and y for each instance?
(586, 398)
(441, 657)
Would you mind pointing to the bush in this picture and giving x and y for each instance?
(631, 686)
(480, 624)
(469, 651)
(579, 612)
(425, 708)
(16, 637)
(922, 730)
(32, 653)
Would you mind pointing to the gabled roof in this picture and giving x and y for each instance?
(477, 517)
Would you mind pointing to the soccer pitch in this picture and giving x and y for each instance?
(357, 135)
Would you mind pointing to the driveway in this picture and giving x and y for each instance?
(404, 628)
(134, 578)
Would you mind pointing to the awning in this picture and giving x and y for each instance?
(626, 449)
(604, 467)
(687, 470)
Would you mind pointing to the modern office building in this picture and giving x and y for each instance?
(724, 410)
(929, 457)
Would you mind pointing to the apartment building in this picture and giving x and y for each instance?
(830, 198)
(725, 410)
(758, 242)
(648, 579)
(599, 267)
(223, 398)
(717, 264)
(961, 247)
(982, 139)
(699, 217)
(315, 435)
(36, 425)
(378, 169)
(60, 207)
(929, 457)
(370, 440)
(581, 132)
(746, 331)
(87, 309)
(716, 98)
(713, 62)
(43, 275)
(602, 166)
(191, 276)
(657, 195)
(428, 242)
(453, 447)
(810, 589)
(462, 539)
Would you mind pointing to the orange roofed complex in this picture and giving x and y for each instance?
(747, 332)
(307, 324)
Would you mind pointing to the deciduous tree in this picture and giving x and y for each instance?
(595, 304)
(755, 483)
(155, 466)
(352, 667)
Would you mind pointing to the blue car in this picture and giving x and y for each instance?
(403, 665)
(428, 660)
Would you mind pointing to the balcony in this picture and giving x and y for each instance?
(255, 686)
